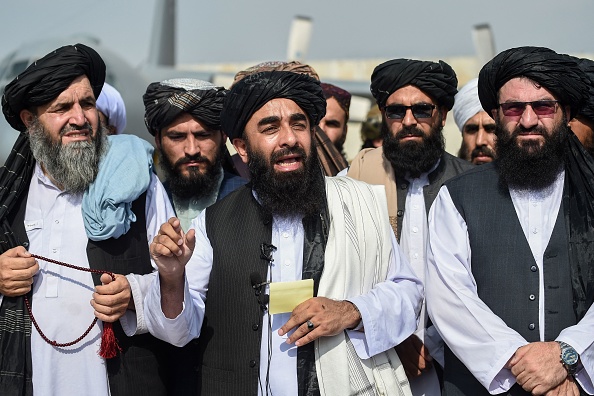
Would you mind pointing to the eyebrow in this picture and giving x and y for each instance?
(272, 119)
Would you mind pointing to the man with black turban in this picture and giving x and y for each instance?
(305, 271)
(184, 115)
(414, 98)
(583, 123)
(510, 278)
(69, 194)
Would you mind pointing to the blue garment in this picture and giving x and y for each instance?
(124, 173)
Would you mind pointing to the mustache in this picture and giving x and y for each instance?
(70, 128)
(410, 131)
(192, 158)
(482, 150)
(536, 130)
(287, 151)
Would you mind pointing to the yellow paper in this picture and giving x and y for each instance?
(285, 296)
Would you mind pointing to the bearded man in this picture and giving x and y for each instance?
(414, 98)
(510, 280)
(476, 126)
(184, 116)
(71, 195)
(328, 239)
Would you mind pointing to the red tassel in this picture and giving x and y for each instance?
(109, 344)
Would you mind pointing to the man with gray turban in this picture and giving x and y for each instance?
(303, 271)
(74, 201)
(510, 279)
(414, 98)
(184, 115)
(475, 124)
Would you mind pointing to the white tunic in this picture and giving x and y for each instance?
(482, 341)
(61, 296)
(399, 292)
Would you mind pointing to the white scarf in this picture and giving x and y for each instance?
(361, 236)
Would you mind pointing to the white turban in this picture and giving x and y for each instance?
(111, 104)
(466, 103)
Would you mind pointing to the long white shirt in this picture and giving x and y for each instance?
(413, 240)
(61, 296)
(482, 341)
(401, 290)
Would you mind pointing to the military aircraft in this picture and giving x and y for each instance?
(130, 81)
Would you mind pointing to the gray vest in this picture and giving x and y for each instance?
(505, 270)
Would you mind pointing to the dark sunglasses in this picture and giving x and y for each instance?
(419, 110)
(540, 108)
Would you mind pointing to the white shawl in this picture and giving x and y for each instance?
(356, 259)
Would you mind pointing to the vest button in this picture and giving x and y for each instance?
(534, 268)
(255, 327)
(253, 363)
(400, 213)
(532, 297)
(403, 186)
(531, 326)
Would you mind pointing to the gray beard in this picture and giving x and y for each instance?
(72, 166)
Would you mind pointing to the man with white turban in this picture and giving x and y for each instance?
(475, 124)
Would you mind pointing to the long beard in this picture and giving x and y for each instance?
(413, 158)
(299, 193)
(197, 184)
(530, 166)
(72, 166)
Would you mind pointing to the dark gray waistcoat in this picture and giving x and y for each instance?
(505, 270)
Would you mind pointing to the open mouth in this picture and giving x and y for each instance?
(289, 162)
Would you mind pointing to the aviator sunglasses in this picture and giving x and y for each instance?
(540, 108)
(419, 110)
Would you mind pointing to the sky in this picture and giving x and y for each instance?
(257, 30)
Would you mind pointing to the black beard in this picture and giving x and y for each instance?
(197, 184)
(298, 193)
(413, 158)
(72, 166)
(530, 167)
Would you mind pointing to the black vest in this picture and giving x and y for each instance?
(229, 341)
(505, 271)
(145, 365)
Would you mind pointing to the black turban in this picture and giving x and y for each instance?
(254, 91)
(557, 73)
(164, 101)
(587, 67)
(48, 77)
(436, 79)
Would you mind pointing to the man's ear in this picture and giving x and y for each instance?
(444, 115)
(240, 147)
(158, 140)
(27, 117)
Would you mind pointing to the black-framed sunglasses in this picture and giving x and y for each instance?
(540, 108)
(419, 111)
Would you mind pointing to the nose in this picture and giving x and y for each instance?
(287, 137)
(529, 118)
(191, 147)
(77, 115)
(481, 137)
(409, 119)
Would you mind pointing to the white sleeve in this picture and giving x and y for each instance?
(187, 325)
(581, 338)
(390, 310)
(478, 337)
(158, 210)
